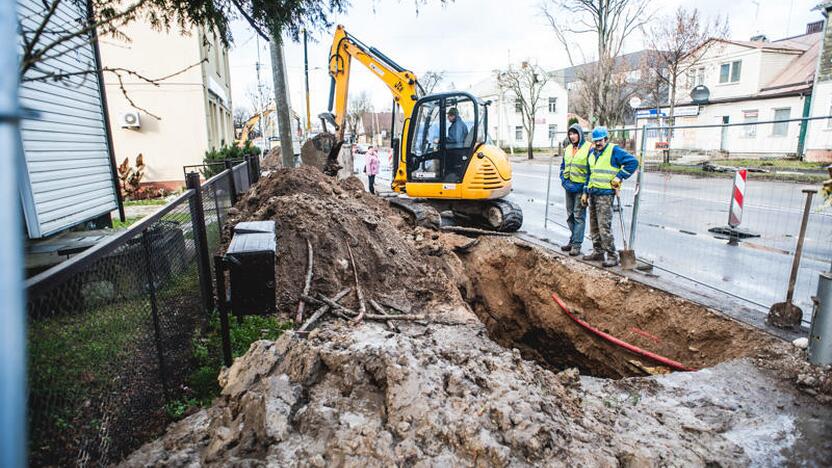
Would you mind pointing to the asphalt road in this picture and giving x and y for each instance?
(675, 214)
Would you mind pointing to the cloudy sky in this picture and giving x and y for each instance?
(467, 39)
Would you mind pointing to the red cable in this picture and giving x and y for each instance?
(634, 349)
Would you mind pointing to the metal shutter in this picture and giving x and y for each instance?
(67, 176)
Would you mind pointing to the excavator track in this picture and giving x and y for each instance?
(510, 216)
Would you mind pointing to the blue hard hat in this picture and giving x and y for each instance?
(599, 133)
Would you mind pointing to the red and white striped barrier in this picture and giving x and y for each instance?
(737, 197)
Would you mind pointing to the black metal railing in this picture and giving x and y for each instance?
(111, 330)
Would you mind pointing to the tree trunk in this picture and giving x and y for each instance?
(281, 99)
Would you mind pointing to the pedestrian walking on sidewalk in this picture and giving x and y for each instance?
(607, 166)
(371, 168)
(573, 178)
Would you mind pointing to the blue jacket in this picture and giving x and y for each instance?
(620, 158)
(457, 133)
(568, 185)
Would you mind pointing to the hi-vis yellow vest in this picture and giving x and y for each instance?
(601, 170)
(574, 167)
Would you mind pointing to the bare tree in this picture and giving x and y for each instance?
(611, 23)
(239, 117)
(676, 46)
(431, 81)
(526, 85)
(63, 27)
(360, 104)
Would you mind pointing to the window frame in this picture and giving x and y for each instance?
(733, 74)
(750, 131)
(553, 104)
(783, 125)
(518, 132)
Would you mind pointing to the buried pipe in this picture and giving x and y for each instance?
(611, 339)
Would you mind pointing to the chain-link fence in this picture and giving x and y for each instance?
(685, 194)
(111, 330)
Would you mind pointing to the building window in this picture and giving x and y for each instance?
(518, 133)
(781, 129)
(553, 131)
(700, 76)
(750, 131)
(553, 105)
(518, 105)
(730, 72)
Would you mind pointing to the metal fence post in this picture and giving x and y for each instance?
(200, 240)
(232, 186)
(154, 310)
(222, 305)
(637, 194)
(548, 188)
(12, 308)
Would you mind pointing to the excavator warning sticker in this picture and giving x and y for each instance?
(449, 186)
(377, 69)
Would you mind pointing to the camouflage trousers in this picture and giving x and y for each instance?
(600, 223)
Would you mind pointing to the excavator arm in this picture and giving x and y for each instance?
(402, 84)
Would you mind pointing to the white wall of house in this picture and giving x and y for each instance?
(819, 137)
(763, 139)
(194, 106)
(505, 122)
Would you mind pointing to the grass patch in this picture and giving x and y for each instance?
(207, 352)
(146, 202)
(802, 178)
(128, 221)
(784, 164)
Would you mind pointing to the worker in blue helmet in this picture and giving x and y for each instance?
(607, 166)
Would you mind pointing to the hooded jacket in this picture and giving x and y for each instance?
(570, 186)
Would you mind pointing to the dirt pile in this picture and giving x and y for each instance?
(272, 160)
(503, 385)
(305, 204)
(316, 150)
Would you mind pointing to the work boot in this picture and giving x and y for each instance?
(575, 251)
(566, 247)
(611, 261)
(595, 256)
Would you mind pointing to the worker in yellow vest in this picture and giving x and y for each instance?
(607, 166)
(573, 179)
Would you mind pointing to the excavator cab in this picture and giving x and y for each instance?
(444, 133)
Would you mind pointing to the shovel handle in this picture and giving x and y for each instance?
(621, 219)
(798, 252)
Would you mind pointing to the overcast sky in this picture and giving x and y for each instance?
(467, 39)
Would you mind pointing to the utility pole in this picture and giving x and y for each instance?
(260, 104)
(306, 78)
(281, 101)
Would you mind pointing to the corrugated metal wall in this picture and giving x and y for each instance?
(68, 176)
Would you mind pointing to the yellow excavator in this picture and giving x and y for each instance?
(254, 120)
(444, 155)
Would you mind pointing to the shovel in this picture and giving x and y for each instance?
(786, 314)
(627, 256)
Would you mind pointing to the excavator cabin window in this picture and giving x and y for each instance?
(442, 138)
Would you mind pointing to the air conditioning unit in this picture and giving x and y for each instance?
(131, 120)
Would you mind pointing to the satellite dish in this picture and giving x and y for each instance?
(635, 101)
(700, 94)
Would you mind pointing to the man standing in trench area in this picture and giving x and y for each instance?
(573, 180)
(607, 166)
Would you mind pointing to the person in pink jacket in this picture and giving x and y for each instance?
(371, 168)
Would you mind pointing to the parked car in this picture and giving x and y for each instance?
(359, 148)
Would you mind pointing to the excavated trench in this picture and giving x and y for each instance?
(509, 286)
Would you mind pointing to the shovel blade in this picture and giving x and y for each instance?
(628, 259)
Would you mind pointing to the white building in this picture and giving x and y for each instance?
(505, 121)
(819, 139)
(748, 81)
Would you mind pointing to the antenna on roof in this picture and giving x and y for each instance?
(756, 16)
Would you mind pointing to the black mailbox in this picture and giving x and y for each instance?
(250, 258)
